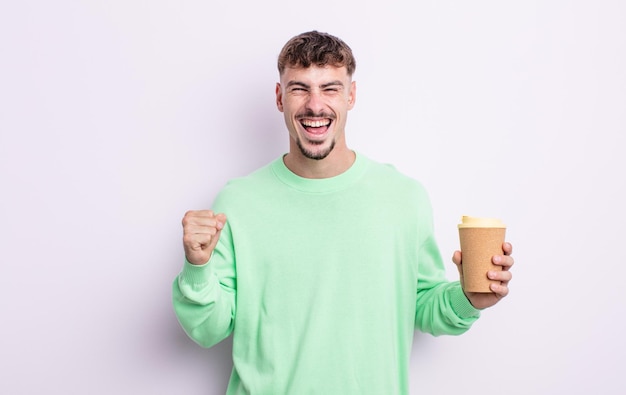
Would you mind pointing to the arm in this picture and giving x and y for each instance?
(204, 292)
(441, 306)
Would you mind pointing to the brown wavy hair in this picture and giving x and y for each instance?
(316, 49)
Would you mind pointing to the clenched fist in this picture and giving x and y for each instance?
(201, 230)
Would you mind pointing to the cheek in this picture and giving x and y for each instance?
(292, 124)
(342, 105)
(290, 104)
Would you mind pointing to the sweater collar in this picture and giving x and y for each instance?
(320, 185)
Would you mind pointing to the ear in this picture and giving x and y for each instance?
(352, 95)
(279, 97)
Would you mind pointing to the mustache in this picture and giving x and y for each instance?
(311, 114)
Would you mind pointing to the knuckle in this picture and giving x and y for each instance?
(187, 218)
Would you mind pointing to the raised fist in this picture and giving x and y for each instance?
(201, 231)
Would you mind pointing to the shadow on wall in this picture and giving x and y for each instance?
(260, 134)
(256, 132)
(252, 133)
(216, 362)
(220, 363)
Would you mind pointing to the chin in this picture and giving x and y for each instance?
(316, 151)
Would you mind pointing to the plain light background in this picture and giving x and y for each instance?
(118, 116)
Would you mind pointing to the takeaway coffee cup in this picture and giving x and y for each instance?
(481, 239)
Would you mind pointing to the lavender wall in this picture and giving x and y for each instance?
(118, 116)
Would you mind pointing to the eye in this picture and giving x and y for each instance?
(331, 90)
(298, 90)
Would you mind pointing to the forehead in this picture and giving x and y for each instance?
(315, 75)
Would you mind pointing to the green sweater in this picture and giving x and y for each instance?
(322, 282)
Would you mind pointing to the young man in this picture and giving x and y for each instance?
(327, 261)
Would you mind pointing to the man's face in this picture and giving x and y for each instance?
(315, 102)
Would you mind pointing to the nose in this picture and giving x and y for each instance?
(314, 102)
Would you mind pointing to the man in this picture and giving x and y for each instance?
(322, 263)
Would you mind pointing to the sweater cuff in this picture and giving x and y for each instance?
(460, 304)
(196, 274)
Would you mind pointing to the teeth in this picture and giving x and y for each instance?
(315, 124)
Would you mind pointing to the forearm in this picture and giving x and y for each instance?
(205, 308)
(444, 310)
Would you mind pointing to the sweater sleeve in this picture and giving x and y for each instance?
(204, 295)
(441, 306)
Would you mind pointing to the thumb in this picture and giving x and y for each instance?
(457, 258)
(221, 222)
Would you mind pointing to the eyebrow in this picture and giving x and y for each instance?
(332, 83)
(326, 85)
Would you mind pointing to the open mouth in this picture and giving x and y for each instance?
(316, 128)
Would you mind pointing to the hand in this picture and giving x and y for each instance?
(201, 231)
(484, 300)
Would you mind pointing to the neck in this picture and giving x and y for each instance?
(337, 162)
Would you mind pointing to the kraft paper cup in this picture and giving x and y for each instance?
(481, 239)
